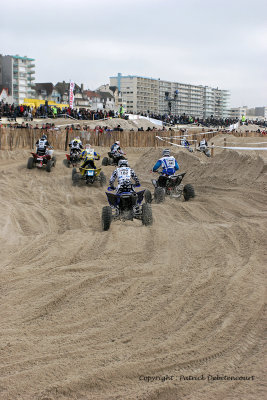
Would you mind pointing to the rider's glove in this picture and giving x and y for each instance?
(137, 185)
(110, 188)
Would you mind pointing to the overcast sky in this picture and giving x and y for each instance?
(210, 42)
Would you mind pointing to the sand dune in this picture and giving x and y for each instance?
(87, 314)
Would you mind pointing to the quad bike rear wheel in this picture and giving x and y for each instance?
(74, 172)
(148, 196)
(66, 163)
(75, 177)
(106, 218)
(30, 163)
(105, 161)
(147, 218)
(49, 165)
(159, 195)
(102, 179)
(188, 192)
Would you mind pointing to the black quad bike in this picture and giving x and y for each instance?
(172, 186)
(126, 205)
(113, 159)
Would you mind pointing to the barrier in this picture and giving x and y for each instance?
(241, 148)
(11, 138)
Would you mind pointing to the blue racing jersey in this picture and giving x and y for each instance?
(169, 165)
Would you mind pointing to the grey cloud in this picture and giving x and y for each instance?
(220, 43)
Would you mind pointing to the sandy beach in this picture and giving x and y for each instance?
(134, 312)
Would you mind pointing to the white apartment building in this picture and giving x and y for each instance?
(238, 112)
(143, 95)
(17, 75)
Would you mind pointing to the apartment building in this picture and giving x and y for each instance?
(17, 75)
(249, 113)
(143, 95)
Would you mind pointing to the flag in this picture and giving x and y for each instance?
(71, 95)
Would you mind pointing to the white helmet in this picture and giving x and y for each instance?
(123, 163)
(117, 142)
(88, 146)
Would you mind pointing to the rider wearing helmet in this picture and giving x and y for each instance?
(89, 156)
(42, 145)
(75, 146)
(124, 174)
(203, 144)
(115, 148)
(167, 162)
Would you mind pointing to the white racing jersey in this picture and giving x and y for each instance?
(202, 144)
(123, 175)
(42, 144)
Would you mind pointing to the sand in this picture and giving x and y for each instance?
(87, 314)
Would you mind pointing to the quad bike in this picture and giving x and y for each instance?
(113, 158)
(205, 150)
(39, 160)
(126, 205)
(88, 175)
(171, 185)
(72, 160)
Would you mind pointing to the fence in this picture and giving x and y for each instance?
(11, 139)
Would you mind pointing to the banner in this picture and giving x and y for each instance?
(71, 95)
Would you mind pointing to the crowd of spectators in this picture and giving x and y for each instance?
(186, 119)
(12, 112)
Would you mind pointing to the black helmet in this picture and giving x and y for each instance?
(44, 137)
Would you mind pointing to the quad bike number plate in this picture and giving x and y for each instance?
(90, 173)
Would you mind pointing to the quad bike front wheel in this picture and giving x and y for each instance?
(159, 195)
(54, 159)
(49, 165)
(106, 218)
(30, 163)
(188, 192)
(147, 218)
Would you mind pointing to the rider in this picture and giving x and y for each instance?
(89, 156)
(75, 146)
(203, 144)
(167, 162)
(42, 145)
(115, 149)
(124, 174)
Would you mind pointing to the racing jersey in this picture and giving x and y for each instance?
(123, 174)
(115, 148)
(169, 165)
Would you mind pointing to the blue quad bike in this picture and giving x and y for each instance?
(126, 204)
